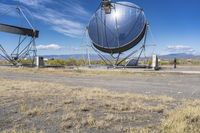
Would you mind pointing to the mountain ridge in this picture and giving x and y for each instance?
(96, 57)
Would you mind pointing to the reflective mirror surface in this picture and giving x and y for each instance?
(118, 31)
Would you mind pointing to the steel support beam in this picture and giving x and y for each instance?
(19, 30)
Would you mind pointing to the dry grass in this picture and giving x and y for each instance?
(25, 106)
(185, 119)
(33, 130)
(74, 72)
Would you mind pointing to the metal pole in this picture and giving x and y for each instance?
(26, 18)
(88, 55)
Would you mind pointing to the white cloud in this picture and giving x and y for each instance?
(67, 22)
(32, 2)
(66, 17)
(8, 10)
(60, 24)
(49, 47)
(180, 49)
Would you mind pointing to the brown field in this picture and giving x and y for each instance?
(28, 106)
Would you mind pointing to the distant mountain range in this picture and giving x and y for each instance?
(76, 56)
(180, 56)
(96, 57)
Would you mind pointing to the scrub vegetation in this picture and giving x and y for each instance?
(42, 107)
(181, 62)
(83, 62)
(72, 62)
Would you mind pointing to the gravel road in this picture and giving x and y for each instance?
(175, 85)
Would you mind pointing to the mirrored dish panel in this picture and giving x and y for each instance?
(117, 31)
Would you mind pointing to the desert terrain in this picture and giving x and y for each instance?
(97, 101)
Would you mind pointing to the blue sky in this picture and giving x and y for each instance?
(174, 24)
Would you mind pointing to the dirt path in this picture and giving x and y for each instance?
(174, 85)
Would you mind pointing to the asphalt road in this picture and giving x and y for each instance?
(175, 85)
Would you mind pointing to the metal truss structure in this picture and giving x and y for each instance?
(28, 50)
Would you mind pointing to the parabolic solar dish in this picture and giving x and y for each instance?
(120, 30)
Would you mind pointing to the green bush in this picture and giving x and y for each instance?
(195, 62)
(81, 62)
(98, 62)
(56, 62)
(68, 62)
(181, 62)
(25, 61)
